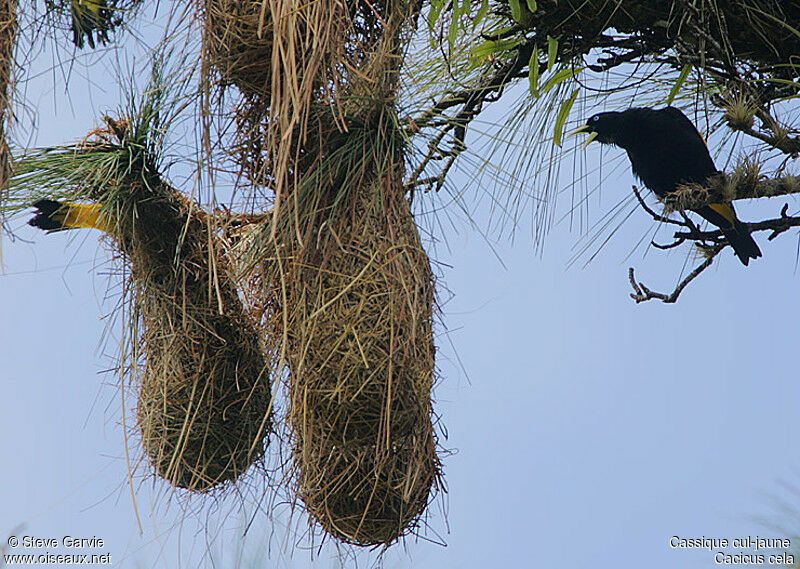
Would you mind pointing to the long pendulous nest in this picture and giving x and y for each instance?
(361, 358)
(346, 285)
(204, 404)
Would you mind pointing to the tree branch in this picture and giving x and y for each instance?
(710, 242)
(726, 188)
(642, 294)
(778, 225)
(779, 140)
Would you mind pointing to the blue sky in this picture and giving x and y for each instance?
(586, 430)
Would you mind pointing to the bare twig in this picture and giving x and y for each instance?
(642, 293)
(789, 145)
(778, 225)
(653, 214)
(711, 242)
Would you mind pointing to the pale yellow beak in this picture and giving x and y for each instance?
(592, 136)
(581, 130)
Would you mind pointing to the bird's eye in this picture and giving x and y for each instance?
(595, 118)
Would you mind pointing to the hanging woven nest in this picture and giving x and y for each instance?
(204, 399)
(361, 358)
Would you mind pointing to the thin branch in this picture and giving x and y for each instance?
(789, 145)
(711, 242)
(474, 97)
(636, 46)
(778, 225)
(642, 293)
(653, 214)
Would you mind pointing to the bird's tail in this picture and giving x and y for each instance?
(52, 216)
(724, 216)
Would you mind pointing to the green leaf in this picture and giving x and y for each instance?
(452, 34)
(481, 13)
(463, 10)
(481, 52)
(531, 5)
(776, 20)
(563, 112)
(552, 51)
(560, 76)
(516, 10)
(679, 83)
(433, 13)
(533, 72)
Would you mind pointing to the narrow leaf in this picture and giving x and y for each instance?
(453, 32)
(481, 52)
(481, 13)
(516, 10)
(552, 51)
(434, 11)
(533, 72)
(563, 112)
(776, 20)
(532, 5)
(679, 83)
(559, 77)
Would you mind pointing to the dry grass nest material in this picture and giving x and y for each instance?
(320, 36)
(286, 59)
(238, 43)
(8, 36)
(361, 356)
(204, 407)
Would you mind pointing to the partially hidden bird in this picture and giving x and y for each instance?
(666, 151)
(90, 19)
(52, 215)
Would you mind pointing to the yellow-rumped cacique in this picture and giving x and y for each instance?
(666, 151)
(52, 215)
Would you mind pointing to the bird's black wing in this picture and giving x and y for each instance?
(666, 150)
(700, 165)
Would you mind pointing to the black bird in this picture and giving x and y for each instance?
(665, 151)
(53, 216)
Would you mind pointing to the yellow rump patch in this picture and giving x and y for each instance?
(83, 215)
(725, 210)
